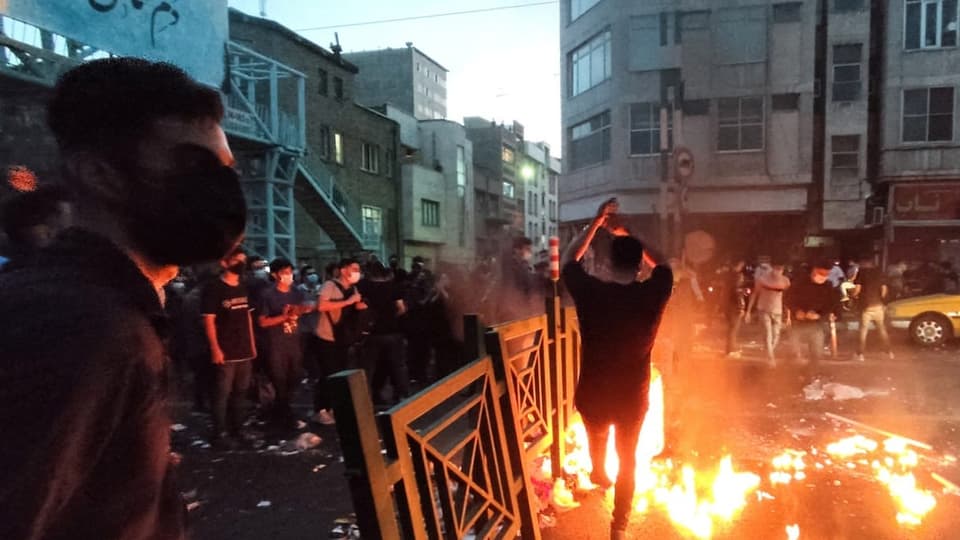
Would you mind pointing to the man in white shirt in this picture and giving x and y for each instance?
(767, 297)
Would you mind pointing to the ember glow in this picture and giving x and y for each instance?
(695, 501)
(702, 501)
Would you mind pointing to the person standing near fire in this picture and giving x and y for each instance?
(619, 319)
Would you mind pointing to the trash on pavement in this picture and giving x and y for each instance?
(308, 440)
(178, 427)
(840, 392)
(264, 504)
(193, 506)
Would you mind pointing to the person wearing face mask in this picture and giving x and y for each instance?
(280, 308)
(82, 385)
(520, 294)
(812, 303)
(338, 328)
(228, 323)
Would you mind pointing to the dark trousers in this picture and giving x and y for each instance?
(332, 358)
(283, 369)
(626, 433)
(310, 342)
(734, 318)
(384, 357)
(203, 376)
(232, 380)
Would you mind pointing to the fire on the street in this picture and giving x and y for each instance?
(701, 501)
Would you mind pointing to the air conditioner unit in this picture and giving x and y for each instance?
(878, 215)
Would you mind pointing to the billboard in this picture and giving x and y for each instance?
(189, 33)
(925, 202)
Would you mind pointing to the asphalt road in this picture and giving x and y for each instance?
(734, 406)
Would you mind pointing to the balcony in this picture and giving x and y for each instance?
(265, 101)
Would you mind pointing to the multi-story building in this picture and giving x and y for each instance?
(406, 78)
(538, 173)
(497, 156)
(917, 158)
(347, 183)
(736, 79)
(436, 202)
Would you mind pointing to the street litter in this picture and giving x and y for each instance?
(319, 468)
(263, 504)
(178, 427)
(308, 440)
(301, 424)
(193, 506)
(816, 391)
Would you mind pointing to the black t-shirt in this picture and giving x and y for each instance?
(809, 296)
(618, 325)
(381, 297)
(871, 282)
(231, 306)
(272, 302)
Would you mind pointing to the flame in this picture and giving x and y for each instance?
(695, 501)
(895, 472)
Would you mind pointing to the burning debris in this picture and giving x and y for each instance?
(700, 501)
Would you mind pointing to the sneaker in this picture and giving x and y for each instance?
(324, 417)
(891, 356)
(858, 357)
(601, 481)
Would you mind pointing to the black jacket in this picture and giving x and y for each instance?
(86, 433)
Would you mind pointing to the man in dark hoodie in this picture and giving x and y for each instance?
(82, 375)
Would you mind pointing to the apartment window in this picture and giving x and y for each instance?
(930, 24)
(372, 222)
(590, 141)
(740, 124)
(645, 129)
(322, 88)
(461, 172)
(928, 115)
(846, 72)
(418, 67)
(338, 148)
(338, 87)
(785, 102)
(507, 154)
(531, 203)
(847, 5)
(429, 213)
(787, 12)
(389, 160)
(845, 157)
(508, 189)
(579, 7)
(553, 184)
(590, 63)
(370, 160)
(694, 20)
(323, 142)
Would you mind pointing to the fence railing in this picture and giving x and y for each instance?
(455, 458)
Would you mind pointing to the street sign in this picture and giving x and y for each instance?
(683, 162)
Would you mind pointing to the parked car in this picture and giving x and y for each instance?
(932, 320)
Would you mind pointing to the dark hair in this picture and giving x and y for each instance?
(108, 106)
(29, 209)
(626, 253)
(280, 263)
(307, 269)
(347, 262)
(521, 242)
(418, 260)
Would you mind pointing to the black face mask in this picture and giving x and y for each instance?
(194, 214)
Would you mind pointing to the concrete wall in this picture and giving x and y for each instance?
(385, 76)
(781, 62)
(357, 124)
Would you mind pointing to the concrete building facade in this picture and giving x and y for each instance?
(737, 80)
(539, 172)
(499, 204)
(347, 183)
(406, 78)
(437, 191)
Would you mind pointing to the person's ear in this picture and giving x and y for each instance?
(96, 178)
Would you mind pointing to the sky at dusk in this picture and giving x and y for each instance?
(504, 65)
